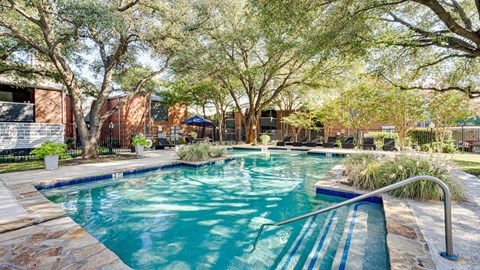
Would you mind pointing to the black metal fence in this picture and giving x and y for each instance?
(117, 139)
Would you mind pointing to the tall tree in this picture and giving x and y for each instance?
(203, 94)
(361, 104)
(444, 109)
(328, 113)
(288, 101)
(103, 39)
(403, 109)
(298, 121)
(269, 46)
(436, 41)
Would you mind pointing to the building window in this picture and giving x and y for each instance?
(13, 94)
(159, 111)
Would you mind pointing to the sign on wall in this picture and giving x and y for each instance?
(28, 135)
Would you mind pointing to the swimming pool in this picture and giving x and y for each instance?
(207, 218)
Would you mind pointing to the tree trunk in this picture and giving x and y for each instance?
(251, 127)
(90, 149)
(295, 132)
(220, 129)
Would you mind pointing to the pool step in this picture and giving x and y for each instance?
(311, 252)
(352, 244)
(298, 248)
(333, 241)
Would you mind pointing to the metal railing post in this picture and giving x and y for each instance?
(447, 203)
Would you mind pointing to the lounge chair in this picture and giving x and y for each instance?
(162, 143)
(285, 140)
(189, 140)
(369, 144)
(314, 143)
(388, 144)
(300, 142)
(331, 142)
(348, 143)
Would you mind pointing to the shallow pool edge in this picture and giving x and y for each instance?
(406, 244)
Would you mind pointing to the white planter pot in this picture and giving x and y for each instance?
(139, 149)
(51, 162)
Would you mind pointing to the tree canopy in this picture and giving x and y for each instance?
(96, 47)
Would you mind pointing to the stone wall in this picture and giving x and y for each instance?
(28, 135)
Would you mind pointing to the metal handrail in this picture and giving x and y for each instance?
(446, 203)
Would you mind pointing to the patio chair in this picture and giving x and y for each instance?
(314, 143)
(285, 140)
(162, 143)
(369, 144)
(189, 140)
(348, 143)
(388, 144)
(300, 142)
(331, 142)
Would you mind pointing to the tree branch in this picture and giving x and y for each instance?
(467, 90)
(461, 12)
(23, 13)
(127, 6)
(449, 21)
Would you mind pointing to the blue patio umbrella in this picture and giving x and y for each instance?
(198, 121)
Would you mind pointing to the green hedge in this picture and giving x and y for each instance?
(422, 136)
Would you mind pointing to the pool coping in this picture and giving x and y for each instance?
(406, 244)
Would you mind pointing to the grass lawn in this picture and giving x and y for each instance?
(469, 163)
(33, 165)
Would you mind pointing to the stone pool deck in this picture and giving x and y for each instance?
(37, 234)
(415, 230)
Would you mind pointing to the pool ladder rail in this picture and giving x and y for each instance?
(447, 204)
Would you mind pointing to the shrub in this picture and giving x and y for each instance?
(193, 134)
(140, 140)
(448, 147)
(267, 138)
(70, 142)
(361, 170)
(50, 148)
(216, 152)
(199, 152)
(380, 136)
(367, 171)
(424, 136)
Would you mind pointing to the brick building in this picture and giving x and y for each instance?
(271, 124)
(31, 114)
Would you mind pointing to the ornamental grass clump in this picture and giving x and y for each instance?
(368, 171)
(216, 152)
(199, 152)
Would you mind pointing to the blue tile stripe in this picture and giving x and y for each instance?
(125, 173)
(343, 262)
(246, 148)
(322, 240)
(299, 242)
(374, 199)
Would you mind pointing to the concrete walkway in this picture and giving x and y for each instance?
(9, 206)
(151, 158)
(466, 225)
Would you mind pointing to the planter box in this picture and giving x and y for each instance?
(139, 150)
(51, 162)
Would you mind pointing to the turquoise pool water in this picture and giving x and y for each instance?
(207, 218)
